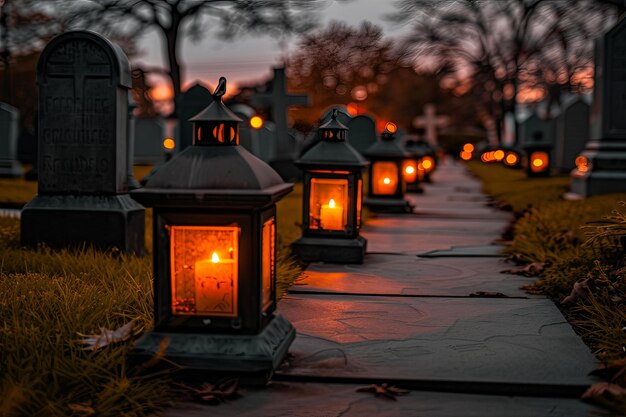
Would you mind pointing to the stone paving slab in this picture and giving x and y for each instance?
(414, 233)
(386, 274)
(489, 251)
(458, 339)
(342, 400)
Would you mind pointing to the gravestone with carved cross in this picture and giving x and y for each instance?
(430, 122)
(83, 160)
(605, 152)
(278, 100)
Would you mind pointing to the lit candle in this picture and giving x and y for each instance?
(214, 286)
(386, 186)
(331, 216)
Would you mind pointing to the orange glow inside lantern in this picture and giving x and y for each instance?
(391, 127)
(268, 270)
(582, 164)
(256, 122)
(409, 171)
(222, 132)
(428, 163)
(385, 178)
(328, 206)
(498, 155)
(511, 159)
(204, 270)
(468, 147)
(539, 161)
(466, 156)
(169, 144)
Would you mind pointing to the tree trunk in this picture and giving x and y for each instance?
(171, 36)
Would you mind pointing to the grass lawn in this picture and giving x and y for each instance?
(578, 247)
(49, 298)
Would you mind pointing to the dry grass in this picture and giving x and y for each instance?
(48, 297)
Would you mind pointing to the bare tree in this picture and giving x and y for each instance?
(496, 49)
(175, 20)
(25, 26)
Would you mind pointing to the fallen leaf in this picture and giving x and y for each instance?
(106, 336)
(579, 290)
(82, 410)
(488, 294)
(215, 394)
(384, 391)
(603, 391)
(531, 270)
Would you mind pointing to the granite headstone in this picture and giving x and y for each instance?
(192, 102)
(82, 197)
(572, 133)
(530, 126)
(149, 136)
(9, 118)
(606, 150)
(362, 132)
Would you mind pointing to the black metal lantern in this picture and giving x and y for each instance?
(214, 253)
(538, 158)
(331, 209)
(512, 157)
(413, 176)
(386, 183)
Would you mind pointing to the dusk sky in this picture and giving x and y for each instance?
(249, 58)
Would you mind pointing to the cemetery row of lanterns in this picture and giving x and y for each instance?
(537, 161)
(214, 225)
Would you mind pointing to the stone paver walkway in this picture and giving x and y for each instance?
(447, 325)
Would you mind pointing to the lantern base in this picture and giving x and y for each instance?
(334, 250)
(388, 205)
(251, 357)
(415, 188)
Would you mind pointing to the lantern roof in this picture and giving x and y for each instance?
(387, 147)
(329, 153)
(333, 123)
(217, 111)
(418, 147)
(213, 176)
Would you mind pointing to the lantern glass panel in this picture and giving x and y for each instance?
(539, 161)
(268, 262)
(328, 206)
(384, 178)
(204, 270)
(409, 171)
(359, 203)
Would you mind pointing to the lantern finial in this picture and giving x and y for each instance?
(220, 90)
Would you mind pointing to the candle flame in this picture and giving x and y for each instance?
(214, 258)
(409, 169)
(387, 180)
(537, 162)
(331, 203)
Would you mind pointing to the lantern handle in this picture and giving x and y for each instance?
(220, 90)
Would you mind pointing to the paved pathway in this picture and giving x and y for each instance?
(447, 325)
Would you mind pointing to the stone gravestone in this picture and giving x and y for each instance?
(9, 165)
(279, 100)
(82, 196)
(606, 150)
(149, 136)
(192, 102)
(362, 132)
(530, 126)
(572, 133)
(267, 140)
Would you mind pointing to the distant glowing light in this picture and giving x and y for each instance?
(353, 109)
(387, 180)
(466, 156)
(161, 92)
(511, 159)
(409, 170)
(391, 127)
(428, 163)
(582, 164)
(537, 162)
(468, 148)
(256, 122)
(498, 155)
(169, 144)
